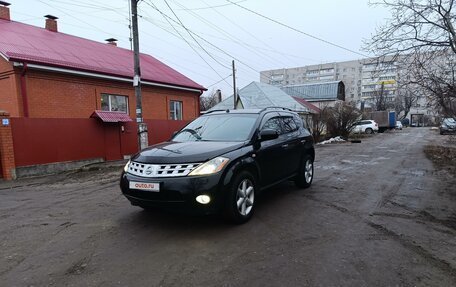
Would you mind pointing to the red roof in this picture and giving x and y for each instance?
(23, 42)
(111, 117)
(308, 105)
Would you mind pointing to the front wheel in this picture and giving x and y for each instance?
(305, 175)
(240, 203)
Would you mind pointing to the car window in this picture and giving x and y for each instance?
(274, 124)
(450, 121)
(289, 124)
(298, 121)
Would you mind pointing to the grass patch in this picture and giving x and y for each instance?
(443, 157)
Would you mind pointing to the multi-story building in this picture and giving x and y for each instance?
(362, 78)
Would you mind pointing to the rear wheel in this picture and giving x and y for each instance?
(369, 131)
(305, 176)
(240, 203)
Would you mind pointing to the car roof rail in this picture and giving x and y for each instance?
(277, 108)
(220, 110)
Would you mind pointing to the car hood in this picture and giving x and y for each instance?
(185, 152)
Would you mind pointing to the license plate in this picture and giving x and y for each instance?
(145, 186)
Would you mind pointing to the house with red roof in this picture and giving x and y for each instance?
(68, 99)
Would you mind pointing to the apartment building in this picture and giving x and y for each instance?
(362, 78)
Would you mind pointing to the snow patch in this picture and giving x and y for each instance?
(332, 140)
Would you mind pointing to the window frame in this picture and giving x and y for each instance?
(172, 111)
(127, 104)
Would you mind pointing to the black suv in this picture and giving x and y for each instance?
(220, 162)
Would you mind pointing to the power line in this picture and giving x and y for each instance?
(232, 37)
(297, 30)
(182, 24)
(210, 7)
(93, 26)
(219, 81)
(166, 18)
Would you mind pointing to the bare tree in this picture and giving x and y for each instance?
(421, 36)
(380, 99)
(315, 123)
(339, 119)
(207, 102)
(404, 101)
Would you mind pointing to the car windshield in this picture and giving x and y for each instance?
(225, 127)
(449, 121)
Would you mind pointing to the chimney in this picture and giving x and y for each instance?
(51, 23)
(4, 11)
(112, 41)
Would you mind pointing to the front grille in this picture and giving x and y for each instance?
(160, 170)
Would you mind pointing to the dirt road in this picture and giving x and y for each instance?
(378, 214)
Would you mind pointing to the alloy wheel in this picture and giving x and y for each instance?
(245, 197)
(308, 173)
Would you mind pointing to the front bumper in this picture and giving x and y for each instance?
(176, 193)
(447, 130)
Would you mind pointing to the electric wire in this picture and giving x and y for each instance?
(168, 19)
(231, 36)
(297, 30)
(219, 81)
(210, 7)
(245, 31)
(182, 24)
(183, 38)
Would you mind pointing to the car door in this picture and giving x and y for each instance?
(357, 127)
(292, 145)
(270, 155)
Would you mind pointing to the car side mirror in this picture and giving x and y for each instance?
(268, 134)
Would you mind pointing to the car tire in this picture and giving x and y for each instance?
(240, 203)
(369, 131)
(305, 176)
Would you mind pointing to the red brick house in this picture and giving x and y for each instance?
(61, 97)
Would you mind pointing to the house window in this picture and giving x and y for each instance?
(114, 103)
(175, 110)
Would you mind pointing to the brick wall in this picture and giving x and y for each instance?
(7, 162)
(52, 95)
(9, 92)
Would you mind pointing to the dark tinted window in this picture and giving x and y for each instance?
(274, 124)
(289, 124)
(225, 127)
(298, 121)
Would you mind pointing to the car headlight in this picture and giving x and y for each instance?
(126, 166)
(210, 167)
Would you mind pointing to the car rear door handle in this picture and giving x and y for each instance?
(285, 145)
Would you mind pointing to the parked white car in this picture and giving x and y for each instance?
(398, 125)
(365, 126)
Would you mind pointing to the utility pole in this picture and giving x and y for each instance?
(234, 86)
(142, 127)
(129, 25)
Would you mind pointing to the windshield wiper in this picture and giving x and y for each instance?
(192, 132)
